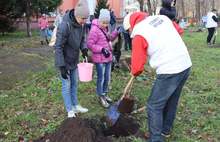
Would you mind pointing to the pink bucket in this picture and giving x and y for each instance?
(85, 71)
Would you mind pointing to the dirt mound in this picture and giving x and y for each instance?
(93, 130)
(125, 126)
(77, 130)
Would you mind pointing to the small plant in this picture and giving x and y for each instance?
(101, 4)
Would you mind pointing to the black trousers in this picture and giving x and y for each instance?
(210, 35)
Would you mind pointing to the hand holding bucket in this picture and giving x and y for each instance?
(85, 71)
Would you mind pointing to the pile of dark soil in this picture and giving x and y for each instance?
(93, 130)
(124, 126)
(77, 130)
(126, 104)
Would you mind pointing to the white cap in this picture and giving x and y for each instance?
(126, 22)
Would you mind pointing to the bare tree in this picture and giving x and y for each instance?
(198, 13)
(183, 8)
(28, 19)
(141, 2)
(203, 7)
(149, 7)
(155, 4)
(213, 4)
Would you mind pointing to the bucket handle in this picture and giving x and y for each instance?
(85, 60)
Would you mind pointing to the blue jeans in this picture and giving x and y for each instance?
(162, 103)
(44, 33)
(103, 78)
(69, 89)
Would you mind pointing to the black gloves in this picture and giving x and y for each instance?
(105, 52)
(84, 52)
(64, 72)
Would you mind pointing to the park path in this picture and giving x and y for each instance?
(17, 64)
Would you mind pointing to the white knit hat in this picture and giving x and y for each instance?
(104, 15)
(126, 22)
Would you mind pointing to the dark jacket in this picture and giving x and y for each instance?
(169, 12)
(112, 18)
(69, 40)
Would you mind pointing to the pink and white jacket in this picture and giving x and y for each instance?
(97, 40)
(43, 23)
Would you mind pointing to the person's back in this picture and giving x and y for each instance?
(43, 22)
(211, 23)
(113, 18)
(158, 38)
(167, 51)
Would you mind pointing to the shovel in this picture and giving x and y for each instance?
(124, 105)
(126, 101)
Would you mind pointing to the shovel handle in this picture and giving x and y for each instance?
(127, 87)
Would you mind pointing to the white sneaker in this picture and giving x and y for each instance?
(71, 114)
(104, 102)
(79, 109)
(108, 99)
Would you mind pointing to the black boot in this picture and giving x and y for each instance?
(47, 41)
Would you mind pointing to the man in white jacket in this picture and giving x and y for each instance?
(211, 25)
(158, 38)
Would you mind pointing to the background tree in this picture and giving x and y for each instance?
(13, 9)
(198, 12)
(149, 7)
(213, 4)
(183, 7)
(101, 4)
(155, 4)
(141, 3)
(9, 12)
(35, 6)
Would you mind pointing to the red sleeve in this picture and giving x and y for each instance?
(138, 55)
(178, 28)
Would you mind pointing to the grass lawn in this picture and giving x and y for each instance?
(36, 107)
(19, 39)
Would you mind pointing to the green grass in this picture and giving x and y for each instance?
(36, 107)
(17, 35)
(19, 39)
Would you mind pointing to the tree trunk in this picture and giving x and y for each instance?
(202, 8)
(155, 2)
(141, 2)
(149, 7)
(213, 4)
(183, 8)
(198, 14)
(28, 19)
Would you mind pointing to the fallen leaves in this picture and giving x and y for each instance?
(44, 121)
(206, 137)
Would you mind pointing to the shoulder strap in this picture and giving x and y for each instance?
(104, 33)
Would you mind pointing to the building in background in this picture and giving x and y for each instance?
(131, 6)
(117, 6)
